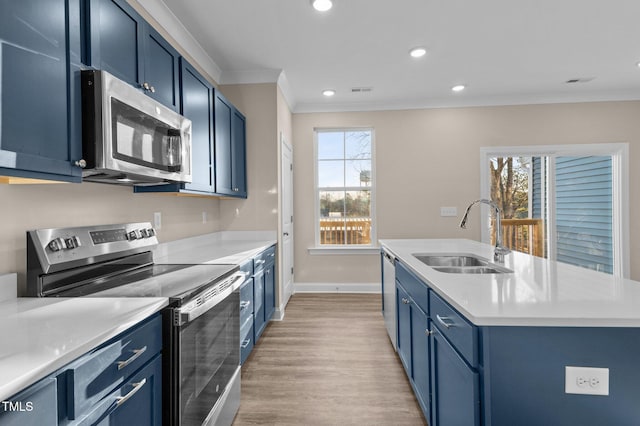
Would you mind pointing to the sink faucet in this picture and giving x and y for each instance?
(501, 250)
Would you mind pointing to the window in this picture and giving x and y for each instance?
(344, 187)
(566, 203)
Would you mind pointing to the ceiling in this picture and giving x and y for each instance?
(504, 51)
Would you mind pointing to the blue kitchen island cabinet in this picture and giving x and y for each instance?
(509, 375)
(40, 130)
(230, 148)
(122, 43)
(413, 334)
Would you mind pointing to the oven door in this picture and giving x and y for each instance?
(208, 349)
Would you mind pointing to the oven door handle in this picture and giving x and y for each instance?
(189, 313)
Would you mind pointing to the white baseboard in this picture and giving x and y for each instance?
(278, 315)
(337, 288)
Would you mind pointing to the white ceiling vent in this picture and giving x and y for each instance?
(361, 89)
(579, 80)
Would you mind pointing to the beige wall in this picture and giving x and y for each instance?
(426, 159)
(259, 212)
(26, 207)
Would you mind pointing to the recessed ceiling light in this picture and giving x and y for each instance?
(322, 5)
(458, 88)
(418, 52)
(638, 64)
(329, 92)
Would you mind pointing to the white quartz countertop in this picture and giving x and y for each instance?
(539, 292)
(220, 247)
(41, 335)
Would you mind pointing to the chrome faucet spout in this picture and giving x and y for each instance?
(500, 249)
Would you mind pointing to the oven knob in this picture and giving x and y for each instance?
(72, 242)
(151, 232)
(133, 235)
(144, 233)
(57, 244)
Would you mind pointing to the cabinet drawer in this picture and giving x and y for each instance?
(266, 257)
(246, 300)
(137, 402)
(98, 373)
(457, 330)
(414, 287)
(246, 340)
(247, 267)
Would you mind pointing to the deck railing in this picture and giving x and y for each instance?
(524, 235)
(345, 230)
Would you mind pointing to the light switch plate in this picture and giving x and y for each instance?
(586, 380)
(448, 211)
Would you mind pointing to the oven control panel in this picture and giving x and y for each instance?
(86, 244)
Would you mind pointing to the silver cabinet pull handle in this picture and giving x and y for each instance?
(428, 332)
(136, 355)
(245, 343)
(136, 387)
(446, 321)
(405, 301)
(244, 304)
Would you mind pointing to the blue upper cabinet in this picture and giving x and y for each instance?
(230, 149)
(161, 69)
(238, 155)
(197, 105)
(121, 42)
(218, 140)
(39, 134)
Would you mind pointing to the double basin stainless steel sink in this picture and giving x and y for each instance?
(456, 263)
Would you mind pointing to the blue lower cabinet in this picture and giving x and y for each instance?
(420, 377)
(117, 383)
(246, 339)
(403, 312)
(269, 291)
(95, 375)
(258, 310)
(137, 402)
(35, 406)
(455, 386)
(262, 299)
(246, 313)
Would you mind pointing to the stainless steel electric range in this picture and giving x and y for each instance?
(201, 373)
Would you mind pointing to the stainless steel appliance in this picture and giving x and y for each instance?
(130, 138)
(201, 349)
(389, 295)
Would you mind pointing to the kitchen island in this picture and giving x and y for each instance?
(501, 349)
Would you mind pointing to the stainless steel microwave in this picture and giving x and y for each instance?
(129, 138)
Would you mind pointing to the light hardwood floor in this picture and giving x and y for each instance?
(329, 362)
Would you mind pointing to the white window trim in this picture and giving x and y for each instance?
(619, 153)
(332, 249)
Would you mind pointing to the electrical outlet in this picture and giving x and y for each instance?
(204, 217)
(448, 211)
(157, 220)
(586, 380)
